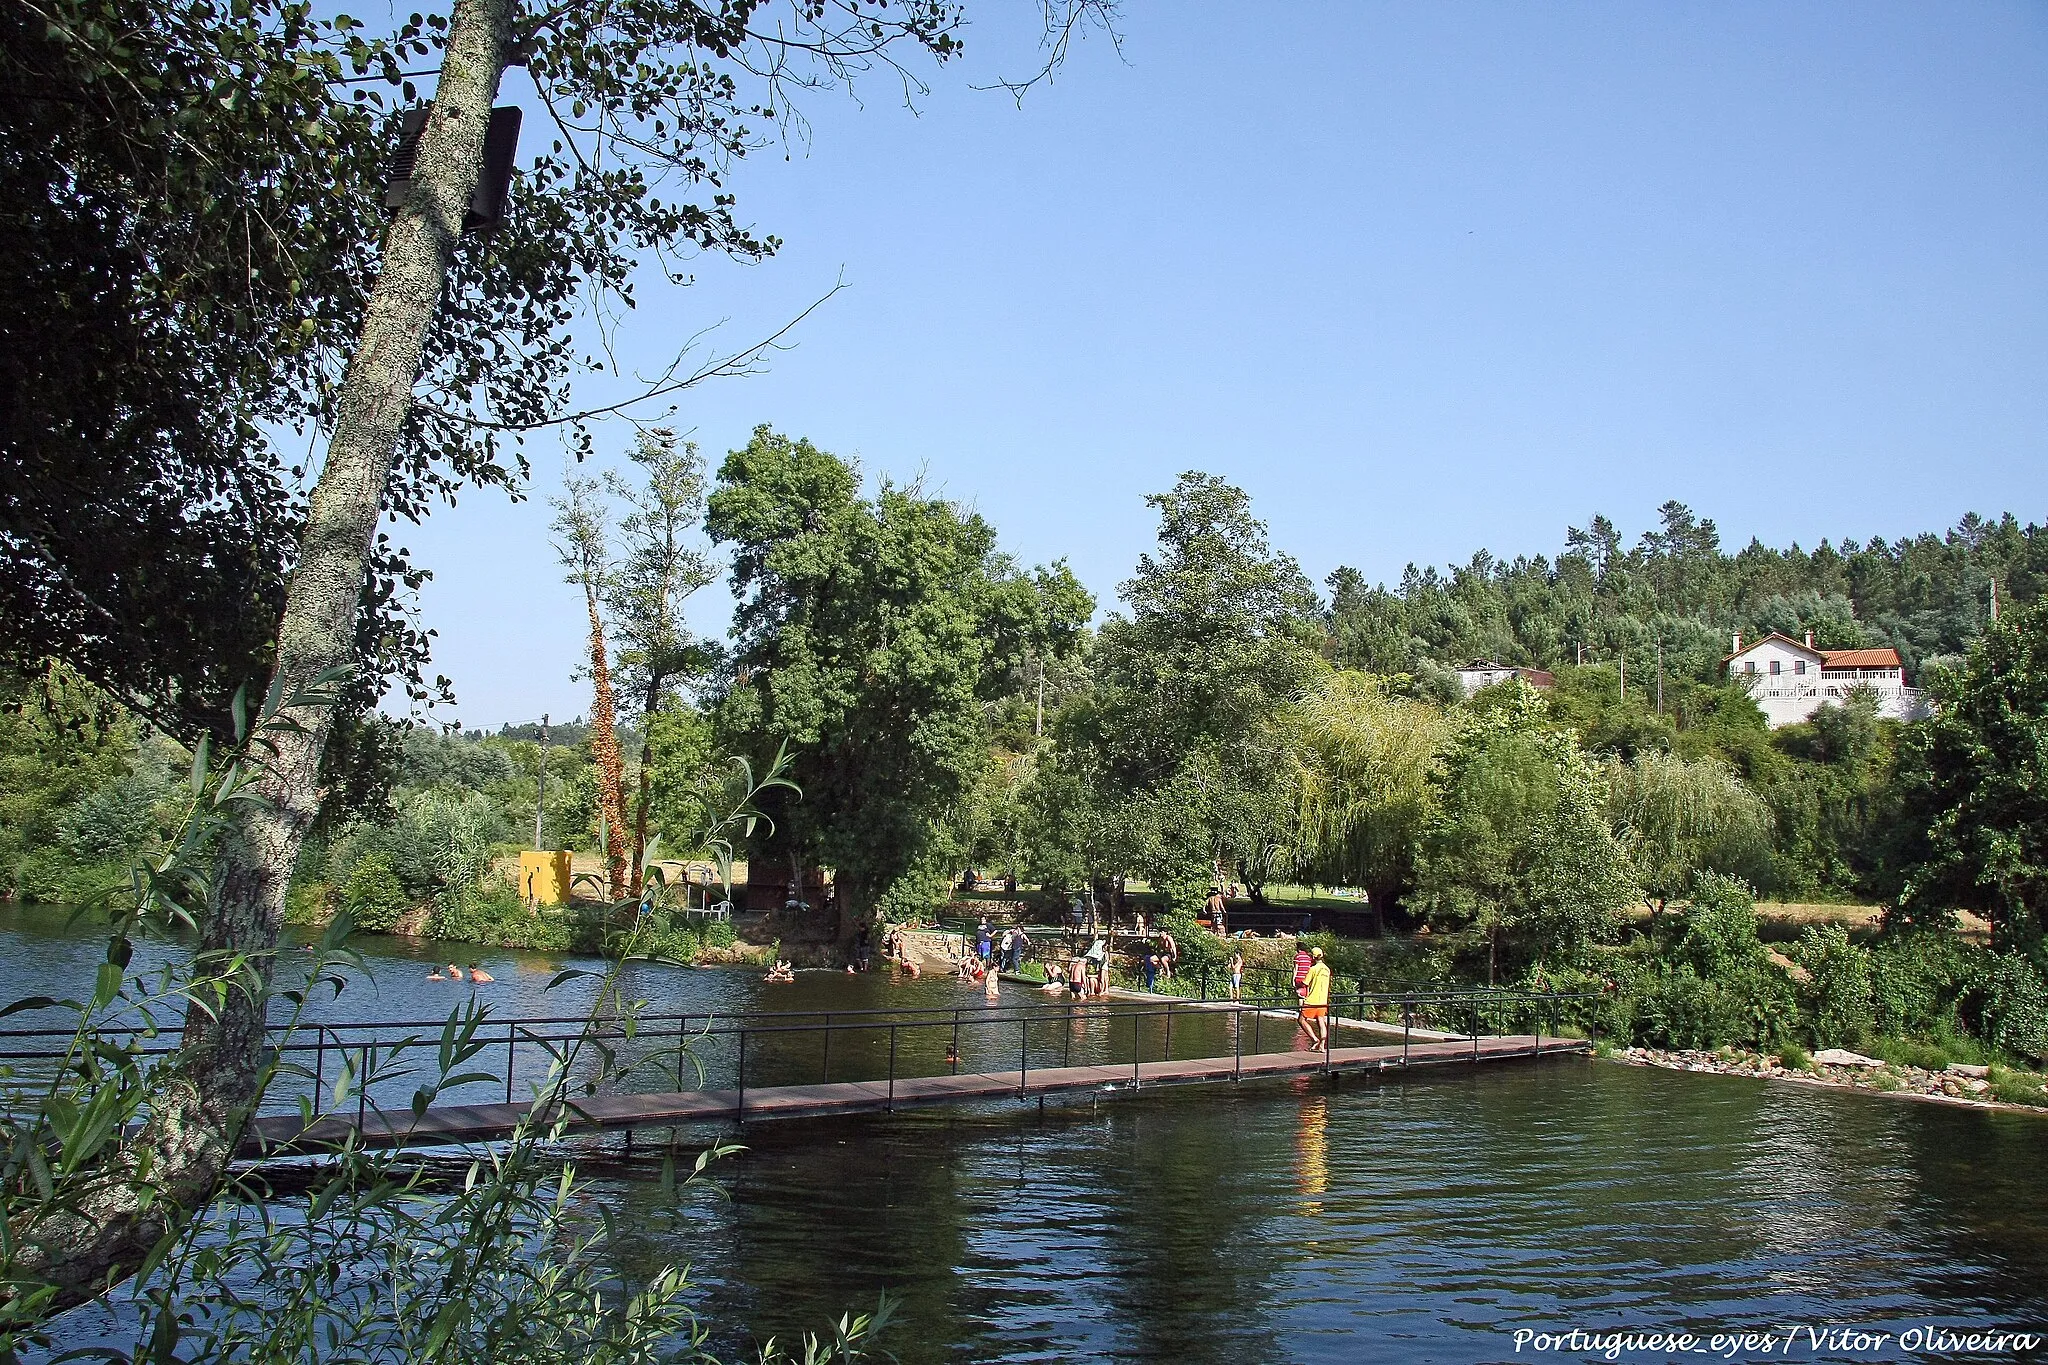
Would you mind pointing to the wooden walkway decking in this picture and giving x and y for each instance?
(444, 1124)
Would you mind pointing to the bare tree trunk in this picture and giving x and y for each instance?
(199, 1119)
(604, 754)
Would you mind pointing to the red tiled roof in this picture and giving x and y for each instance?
(1861, 658)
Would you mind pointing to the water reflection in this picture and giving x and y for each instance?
(1380, 1221)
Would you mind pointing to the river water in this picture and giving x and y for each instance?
(1428, 1217)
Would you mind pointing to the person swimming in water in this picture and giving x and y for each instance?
(435, 975)
(477, 973)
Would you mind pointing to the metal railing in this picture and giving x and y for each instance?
(797, 1047)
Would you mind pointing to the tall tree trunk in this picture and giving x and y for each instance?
(647, 713)
(604, 754)
(198, 1119)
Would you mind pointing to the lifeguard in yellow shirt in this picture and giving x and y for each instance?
(1315, 1000)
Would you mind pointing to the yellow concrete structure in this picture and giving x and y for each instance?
(544, 876)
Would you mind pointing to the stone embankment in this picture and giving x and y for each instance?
(1956, 1083)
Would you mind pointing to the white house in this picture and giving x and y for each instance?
(1790, 679)
(1484, 673)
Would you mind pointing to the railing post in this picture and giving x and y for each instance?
(1407, 1022)
(362, 1087)
(1237, 1044)
(825, 1073)
(511, 1052)
(682, 1047)
(1067, 1048)
(1136, 1077)
(1023, 1055)
(956, 1043)
(892, 1069)
(319, 1066)
(740, 1078)
(1167, 1056)
(1475, 1028)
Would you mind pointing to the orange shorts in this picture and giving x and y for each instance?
(1314, 1011)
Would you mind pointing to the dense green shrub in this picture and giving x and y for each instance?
(1199, 949)
(373, 895)
(2014, 1009)
(308, 903)
(1919, 979)
(52, 875)
(440, 842)
(1718, 933)
(2018, 1087)
(1909, 1052)
(499, 916)
(1836, 995)
(39, 874)
(1751, 1007)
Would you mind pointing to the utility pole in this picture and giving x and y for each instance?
(540, 797)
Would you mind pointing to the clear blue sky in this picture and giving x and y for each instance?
(1422, 278)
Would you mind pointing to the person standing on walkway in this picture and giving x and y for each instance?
(1237, 975)
(1315, 1001)
(1302, 962)
(982, 941)
(1151, 970)
(1098, 964)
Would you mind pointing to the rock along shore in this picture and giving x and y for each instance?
(1957, 1085)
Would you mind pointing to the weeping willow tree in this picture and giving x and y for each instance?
(1679, 818)
(1363, 762)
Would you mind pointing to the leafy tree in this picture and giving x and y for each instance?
(1183, 726)
(62, 742)
(192, 206)
(1679, 818)
(1974, 796)
(1217, 637)
(1519, 850)
(583, 543)
(683, 779)
(662, 565)
(651, 103)
(870, 635)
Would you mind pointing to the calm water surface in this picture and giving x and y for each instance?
(1417, 1219)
